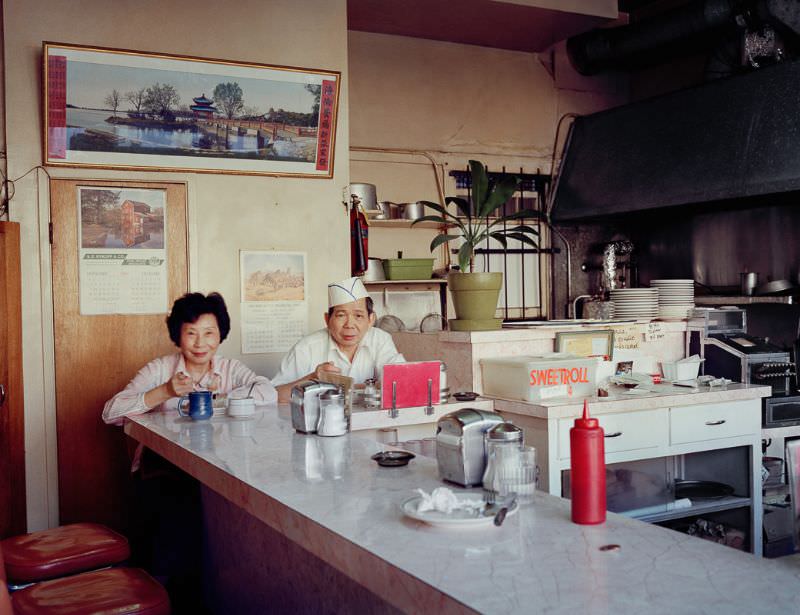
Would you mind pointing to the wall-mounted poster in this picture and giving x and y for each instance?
(130, 109)
(122, 251)
(274, 303)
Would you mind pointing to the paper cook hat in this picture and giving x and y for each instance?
(346, 291)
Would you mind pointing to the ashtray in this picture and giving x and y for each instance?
(393, 459)
(466, 396)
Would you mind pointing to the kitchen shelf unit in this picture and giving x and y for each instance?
(700, 508)
(431, 284)
(742, 299)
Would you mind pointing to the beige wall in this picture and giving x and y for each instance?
(226, 213)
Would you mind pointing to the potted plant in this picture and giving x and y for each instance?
(475, 294)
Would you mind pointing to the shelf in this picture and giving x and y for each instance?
(402, 224)
(698, 508)
(414, 282)
(740, 300)
(518, 25)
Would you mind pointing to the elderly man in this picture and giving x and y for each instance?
(350, 345)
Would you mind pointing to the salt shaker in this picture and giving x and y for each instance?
(503, 443)
(332, 419)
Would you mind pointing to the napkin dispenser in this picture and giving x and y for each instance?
(305, 404)
(460, 448)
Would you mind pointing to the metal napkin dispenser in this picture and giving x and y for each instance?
(460, 448)
(305, 404)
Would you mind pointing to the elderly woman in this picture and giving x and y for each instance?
(197, 325)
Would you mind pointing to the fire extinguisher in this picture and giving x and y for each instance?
(358, 239)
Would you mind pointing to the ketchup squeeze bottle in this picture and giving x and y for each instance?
(588, 466)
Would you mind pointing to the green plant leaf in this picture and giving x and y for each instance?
(500, 237)
(438, 219)
(480, 187)
(439, 208)
(440, 239)
(503, 191)
(521, 228)
(523, 238)
(462, 204)
(464, 255)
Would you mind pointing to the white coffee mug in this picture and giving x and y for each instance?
(241, 406)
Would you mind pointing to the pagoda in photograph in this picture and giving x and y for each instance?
(203, 108)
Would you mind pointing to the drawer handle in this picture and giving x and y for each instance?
(712, 423)
(616, 434)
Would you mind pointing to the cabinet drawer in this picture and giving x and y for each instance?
(713, 421)
(623, 432)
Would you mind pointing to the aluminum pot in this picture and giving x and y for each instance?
(388, 209)
(412, 211)
(367, 195)
(374, 272)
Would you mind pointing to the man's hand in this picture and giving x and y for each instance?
(328, 366)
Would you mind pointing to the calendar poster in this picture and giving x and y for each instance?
(274, 305)
(122, 253)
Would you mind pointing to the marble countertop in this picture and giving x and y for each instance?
(328, 496)
(621, 400)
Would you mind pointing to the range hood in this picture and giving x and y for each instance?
(726, 139)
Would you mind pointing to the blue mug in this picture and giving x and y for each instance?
(200, 404)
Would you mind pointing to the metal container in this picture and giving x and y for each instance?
(411, 211)
(366, 194)
(305, 404)
(374, 272)
(460, 448)
(388, 210)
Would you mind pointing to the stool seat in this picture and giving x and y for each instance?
(61, 551)
(121, 591)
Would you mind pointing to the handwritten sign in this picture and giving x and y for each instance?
(627, 338)
(654, 331)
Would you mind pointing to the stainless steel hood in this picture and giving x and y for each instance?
(727, 139)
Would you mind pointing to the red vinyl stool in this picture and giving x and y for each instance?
(121, 591)
(62, 551)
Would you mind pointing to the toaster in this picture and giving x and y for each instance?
(305, 404)
(460, 448)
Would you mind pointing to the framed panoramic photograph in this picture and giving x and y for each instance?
(113, 108)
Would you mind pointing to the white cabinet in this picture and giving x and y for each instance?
(688, 441)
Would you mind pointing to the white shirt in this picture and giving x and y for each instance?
(229, 375)
(375, 350)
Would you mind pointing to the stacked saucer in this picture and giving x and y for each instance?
(635, 302)
(675, 298)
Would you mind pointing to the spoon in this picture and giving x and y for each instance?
(501, 514)
(250, 392)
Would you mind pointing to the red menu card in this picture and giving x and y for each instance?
(412, 383)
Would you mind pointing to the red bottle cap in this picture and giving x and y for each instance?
(586, 422)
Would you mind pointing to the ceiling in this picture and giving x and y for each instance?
(518, 25)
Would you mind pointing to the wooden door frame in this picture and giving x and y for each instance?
(15, 519)
(54, 480)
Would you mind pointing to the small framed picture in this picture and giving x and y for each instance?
(624, 368)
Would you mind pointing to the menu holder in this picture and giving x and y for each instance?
(409, 384)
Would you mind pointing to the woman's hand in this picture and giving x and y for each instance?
(180, 384)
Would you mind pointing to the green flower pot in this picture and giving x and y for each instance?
(475, 295)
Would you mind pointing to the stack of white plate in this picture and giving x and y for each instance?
(675, 298)
(635, 302)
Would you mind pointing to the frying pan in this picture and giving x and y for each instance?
(701, 490)
(775, 287)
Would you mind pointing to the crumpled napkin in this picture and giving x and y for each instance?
(445, 501)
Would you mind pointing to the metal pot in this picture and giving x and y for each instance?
(388, 209)
(412, 211)
(374, 272)
(366, 194)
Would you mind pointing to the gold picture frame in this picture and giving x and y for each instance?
(122, 109)
(593, 343)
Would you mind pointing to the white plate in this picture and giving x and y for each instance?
(458, 517)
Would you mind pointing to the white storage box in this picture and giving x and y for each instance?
(532, 378)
